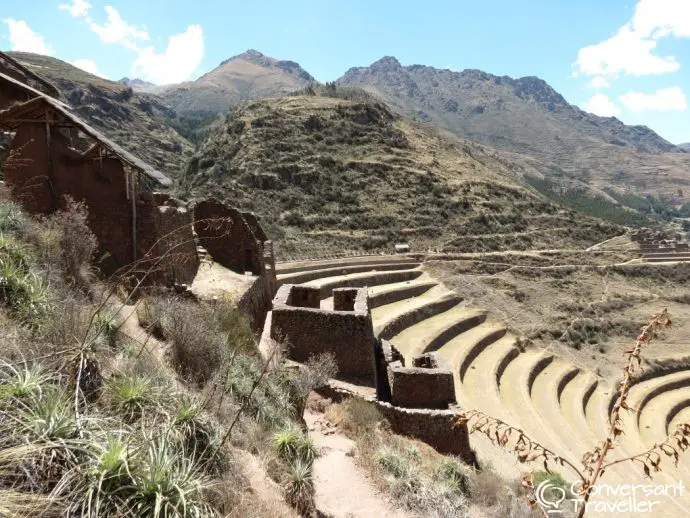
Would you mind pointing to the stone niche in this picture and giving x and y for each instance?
(346, 331)
(428, 383)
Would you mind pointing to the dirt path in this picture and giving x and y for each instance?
(342, 489)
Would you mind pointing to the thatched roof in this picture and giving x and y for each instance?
(35, 109)
(50, 89)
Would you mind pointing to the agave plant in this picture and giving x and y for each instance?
(167, 482)
(23, 381)
(299, 489)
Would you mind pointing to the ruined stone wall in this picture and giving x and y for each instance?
(256, 302)
(176, 244)
(437, 428)
(227, 236)
(253, 223)
(347, 334)
(428, 386)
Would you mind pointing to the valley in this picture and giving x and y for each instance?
(323, 282)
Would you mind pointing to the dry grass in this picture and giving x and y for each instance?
(585, 313)
(113, 428)
(417, 477)
(330, 175)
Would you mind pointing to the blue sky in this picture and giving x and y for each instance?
(624, 58)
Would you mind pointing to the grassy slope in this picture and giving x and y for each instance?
(136, 121)
(327, 174)
(581, 306)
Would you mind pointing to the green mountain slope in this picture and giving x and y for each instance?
(330, 175)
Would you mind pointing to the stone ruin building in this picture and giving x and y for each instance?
(53, 154)
(659, 246)
(417, 400)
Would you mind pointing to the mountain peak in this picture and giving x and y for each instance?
(257, 58)
(386, 63)
(134, 82)
(250, 54)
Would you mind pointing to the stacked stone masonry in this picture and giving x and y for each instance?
(427, 388)
(427, 384)
(348, 335)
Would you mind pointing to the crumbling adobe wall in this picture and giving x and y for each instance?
(348, 335)
(227, 236)
(43, 180)
(28, 179)
(427, 384)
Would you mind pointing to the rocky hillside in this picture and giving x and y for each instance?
(528, 117)
(249, 75)
(137, 121)
(685, 146)
(329, 175)
(139, 85)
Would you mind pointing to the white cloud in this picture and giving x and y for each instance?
(179, 61)
(76, 8)
(24, 39)
(631, 50)
(660, 18)
(624, 53)
(601, 105)
(666, 99)
(116, 30)
(88, 65)
(599, 83)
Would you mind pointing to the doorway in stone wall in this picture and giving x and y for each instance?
(248, 260)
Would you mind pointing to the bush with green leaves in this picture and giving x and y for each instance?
(292, 445)
(12, 217)
(299, 488)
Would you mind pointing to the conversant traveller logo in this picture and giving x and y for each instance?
(605, 498)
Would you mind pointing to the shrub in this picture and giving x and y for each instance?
(393, 463)
(453, 474)
(198, 350)
(292, 445)
(166, 482)
(131, 395)
(65, 242)
(299, 489)
(22, 291)
(354, 416)
(11, 217)
(23, 381)
(315, 374)
(555, 479)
